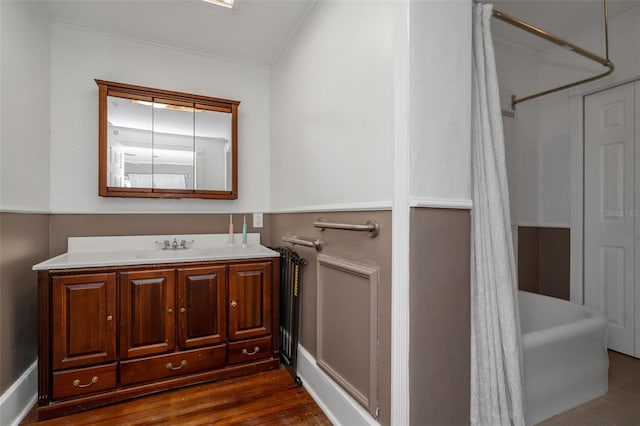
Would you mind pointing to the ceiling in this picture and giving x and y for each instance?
(567, 19)
(256, 31)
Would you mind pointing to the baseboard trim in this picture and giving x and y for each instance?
(17, 401)
(338, 405)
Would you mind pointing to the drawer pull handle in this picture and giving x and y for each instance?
(234, 303)
(183, 310)
(255, 351)
(171, 367)
(170, 310)
(109, 317)
(77, 384)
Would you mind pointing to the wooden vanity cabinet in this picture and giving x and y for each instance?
(83, 320)
(249, 300)
(250, 312)
(202, 307)
(110, 334)
(147, 318)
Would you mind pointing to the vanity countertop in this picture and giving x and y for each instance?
(88, 252)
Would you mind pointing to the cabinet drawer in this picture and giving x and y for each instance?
(83, 381)
(248, 350)
(172, 365)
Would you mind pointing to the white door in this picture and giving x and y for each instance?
(609, 212)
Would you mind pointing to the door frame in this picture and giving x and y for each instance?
(576, 133)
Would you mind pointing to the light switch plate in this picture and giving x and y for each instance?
(257, 220)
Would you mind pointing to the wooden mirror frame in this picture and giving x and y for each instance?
(128, 91)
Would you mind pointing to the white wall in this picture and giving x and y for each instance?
(24, 110)
(440, 105)
(78, 57)
(544, 135)
(332, 110)
(557, 66)
(518, 75)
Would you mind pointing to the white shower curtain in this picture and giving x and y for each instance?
(496, 354)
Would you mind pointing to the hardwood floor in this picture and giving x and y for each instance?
(269, 398)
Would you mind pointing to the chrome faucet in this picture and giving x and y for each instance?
(167, 244)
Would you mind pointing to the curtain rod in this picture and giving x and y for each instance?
(562, 43)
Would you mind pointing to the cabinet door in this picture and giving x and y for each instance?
(202, 315)
(147, 319)
(83, 316)
(249, 300)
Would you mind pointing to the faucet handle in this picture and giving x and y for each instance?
(183, 243)
(165, 244)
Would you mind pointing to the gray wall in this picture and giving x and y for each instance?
(440, 331)
(440, 328)
(544, 258)
(83, 225)
(24, 241)
(355, 246)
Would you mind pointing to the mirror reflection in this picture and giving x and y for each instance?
(169, 146)
(213, 150)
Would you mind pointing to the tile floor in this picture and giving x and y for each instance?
(620, 406)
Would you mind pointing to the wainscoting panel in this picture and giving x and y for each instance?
(355, 246)
(348, 326)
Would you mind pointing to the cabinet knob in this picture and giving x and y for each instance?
(170, 310)
(109, 317)
(183, 310)
(234, 303)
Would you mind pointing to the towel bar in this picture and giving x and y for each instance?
(316, 244)
(372, 227)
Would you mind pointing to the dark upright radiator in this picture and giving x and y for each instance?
(290, 284)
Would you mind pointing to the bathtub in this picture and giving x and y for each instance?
(564, 354)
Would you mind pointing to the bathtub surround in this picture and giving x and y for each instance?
(565, 355)
(496, 353)
(543, 261)
(549, 166)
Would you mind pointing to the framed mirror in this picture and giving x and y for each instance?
(156, 143)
